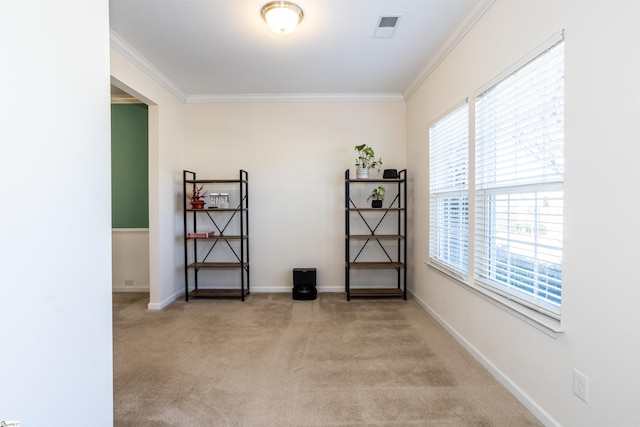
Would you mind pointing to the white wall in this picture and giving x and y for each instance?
(55, 227)
(296, 155)
(600, 312)
(130, 259)
(166, 157)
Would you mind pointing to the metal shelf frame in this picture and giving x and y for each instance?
(357, 244)
(195, 218)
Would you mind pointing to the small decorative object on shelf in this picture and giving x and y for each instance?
(197, 204)
(197, 196)
(390, 174)
(378, 196)
(223, 201)
(213, 200)
(366, 160)
(201, 235)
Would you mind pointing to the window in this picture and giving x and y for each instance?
(519, 173)
(514, 138)
(449, 190)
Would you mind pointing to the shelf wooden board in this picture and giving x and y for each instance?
(217, 293)
(218, 265)
(377, 180)
(214, 181)
(375, 236)
(352, 209)
(217, 210)
(376, 265)
(219, 238)
(376, 292)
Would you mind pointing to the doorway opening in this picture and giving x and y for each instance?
(129, 193)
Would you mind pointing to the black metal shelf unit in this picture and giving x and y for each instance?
(217, 239)
(380, 242)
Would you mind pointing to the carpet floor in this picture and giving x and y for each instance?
(273, 361)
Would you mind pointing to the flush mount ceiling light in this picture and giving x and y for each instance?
(282, 16)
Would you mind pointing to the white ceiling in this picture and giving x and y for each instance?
(208, 50)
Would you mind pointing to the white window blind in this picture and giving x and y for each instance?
(449, 190)
(519, 165)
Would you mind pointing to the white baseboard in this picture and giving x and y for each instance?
(331, 289)
(271, 289)
(517, 392)
(165, 302)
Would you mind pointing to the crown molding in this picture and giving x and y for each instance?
(297, 97)
(125, 99)
(121, 45)
(467, 23)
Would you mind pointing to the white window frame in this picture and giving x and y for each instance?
(514, 163)
(449, 191)
(545, 317)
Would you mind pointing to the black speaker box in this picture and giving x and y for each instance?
(304, 284)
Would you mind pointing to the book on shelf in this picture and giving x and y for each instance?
(201, 235)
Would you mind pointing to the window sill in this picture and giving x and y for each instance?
(543, 323)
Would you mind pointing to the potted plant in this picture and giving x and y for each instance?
(197, 197)
(378, 196)
(366, 159)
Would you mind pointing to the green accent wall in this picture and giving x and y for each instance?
(129, 166)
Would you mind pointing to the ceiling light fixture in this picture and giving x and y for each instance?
(282, 16)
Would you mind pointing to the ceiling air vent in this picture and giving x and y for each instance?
(386, 27)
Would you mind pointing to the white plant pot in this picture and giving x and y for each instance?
(362, 173)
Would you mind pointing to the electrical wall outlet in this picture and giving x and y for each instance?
(128, 282)
(580, 385)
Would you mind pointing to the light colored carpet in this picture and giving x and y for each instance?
(273, 361)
